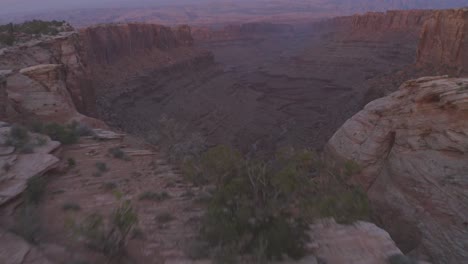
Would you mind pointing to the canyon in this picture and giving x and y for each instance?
(258, 87)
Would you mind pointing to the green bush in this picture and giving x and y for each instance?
(35, 189)
(18, 137)
(154, 196)
(64, 134)
(111, 238)
(71, 206)
(27, 224)
(117, 153)
(101, 166)
(251, 208)
(400, 259)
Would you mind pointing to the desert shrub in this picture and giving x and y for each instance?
(400, 259)
(345, 206)
(71, 162)
(71, 206)
(118, 153)
(35, 189)
(18, 137)
(251, 208)
(154, 196)
(110, 237)
(64, 134)
(177, 140)
(101, 166)
(262, 208)
(27, 224)
(6, 167)
(164, 218)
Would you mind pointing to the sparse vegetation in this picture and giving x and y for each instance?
(9, 32)
(177, 140)
(400, 259)
(27, 224)
(110, 237)
(71, 206)
(154, 196)
(109, 186)
(6, 167)
(71, 162)
(19, 138)
(164, 218)
(101, 166)
(35, 189)
(253, 209)
(117, 153)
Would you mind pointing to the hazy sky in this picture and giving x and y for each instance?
(8, 6)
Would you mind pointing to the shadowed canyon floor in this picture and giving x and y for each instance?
(285, 89)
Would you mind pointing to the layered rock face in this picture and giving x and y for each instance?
(444, 41)
(413, 149)
(404, 24)
(240, 31)
(107, 44)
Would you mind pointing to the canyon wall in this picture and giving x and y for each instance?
(396, 24)
(241, 31)
(107, 44)
(444, 41)
(49, 78)
(121, 52)
(412, 147)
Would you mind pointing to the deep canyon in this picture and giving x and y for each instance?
(258, 87)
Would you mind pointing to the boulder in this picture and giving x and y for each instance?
(412, 147)
(14, 250)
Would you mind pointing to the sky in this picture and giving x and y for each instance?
(21, 6)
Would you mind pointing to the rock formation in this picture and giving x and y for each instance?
(396, 24)
(107, 44)
(241, 31)
(412, 147)
(362, 243)
(444, 41)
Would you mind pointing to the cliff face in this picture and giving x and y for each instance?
(107, 44)
(412, 147)
(404, 24)
(48, 78)
(444, 41)
(58, 77)
(239, 31)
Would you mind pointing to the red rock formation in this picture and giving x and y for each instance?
(412, 146)
(444, 41)
(238, 31)
(107, 44)
(378, 25)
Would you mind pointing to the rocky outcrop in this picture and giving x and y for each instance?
(18, 166)
(444, 41)
(372, 26)
(14, 250)
(362, 243)
(412, 147)
(107, 44)
(64, 50)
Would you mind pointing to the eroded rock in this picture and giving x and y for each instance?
(413, 149)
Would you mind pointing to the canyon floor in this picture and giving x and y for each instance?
(264, 92)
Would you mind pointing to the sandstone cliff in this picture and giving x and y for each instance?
(241, 31)
(412, 147)
(49, 78)
(107, 44)
(402, 24)
(444, 41)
